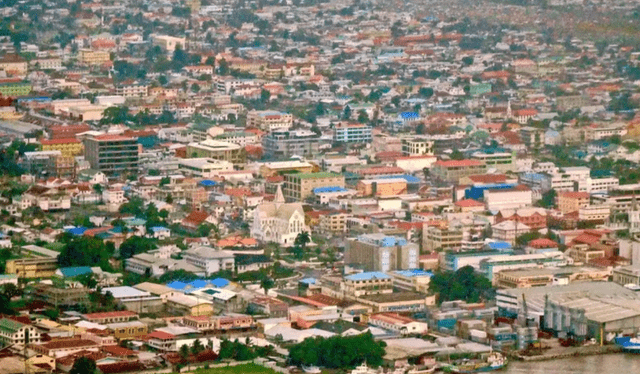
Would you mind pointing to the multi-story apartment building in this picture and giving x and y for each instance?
(13, 64)
(211, 260)
(453, 170)
(368, 283)
(113, 155)
(217, 150)
(572, 201)
(91, 57)
(68, 148)
(501, 161)
(14, 332)
(32, 267)
(241, 138)
(169, 43)
(132, 90)
(626, 275)
(519, 196)
(284, 144)
(298, 187)
(417, 147)
(204, 167)
(335, 222)
(269, 120)
(441, 237)
(532, 137)
(379, 252)
(352, 133)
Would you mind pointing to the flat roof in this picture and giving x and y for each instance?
(395, 297)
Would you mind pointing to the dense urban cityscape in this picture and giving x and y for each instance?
(319, 186)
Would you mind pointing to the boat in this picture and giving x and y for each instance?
(628, 343)
(311, 369)
(424, 370)
(495, 361)
(363, 369)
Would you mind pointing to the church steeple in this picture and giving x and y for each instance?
(279, 199)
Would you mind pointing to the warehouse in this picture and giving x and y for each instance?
(593, 317)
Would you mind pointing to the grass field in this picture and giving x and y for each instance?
(238, 369)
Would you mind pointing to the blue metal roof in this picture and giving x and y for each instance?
(198, 283)
(367, 276)
(208, 183)
(77, 230)
(407, 177)
(177, 285)
(71, 272)
(219, 282)
(414, 273)
(308, 281)
(329, 189)
(158, 228)
(499, 245)
(409, 115)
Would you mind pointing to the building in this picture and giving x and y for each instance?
(104, 318)
(453, 170)
(298, 187)
(516, 197)
(569, 202)
(217, 150)
(14, 332)
(442, 237)
(501, 161)
(368, 283)
(382, 253)
(204, 167)
(532, 137)
(626, 275)
(411, 280)
(13, 64)
(128, 330)
(114, 155)
(454, 261)
(211, 260)
(271, 169)
(352, 133)
(492, 265)
(548, 276)
(132, 90)
(278, 222)
(91, 57)
(168, 43)
(397, 323)
(32, 267)
(69, 148)
(382, 187)
(417, 147)
(334, 222)
(269, 120)
(283, 144)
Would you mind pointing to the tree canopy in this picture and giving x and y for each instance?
(338, 352)
(464, 284)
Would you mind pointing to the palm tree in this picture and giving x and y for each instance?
(302, 240)
(266, 284)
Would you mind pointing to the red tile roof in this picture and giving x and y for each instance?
(468, 203)
(121, 313)
(488, 178)
(457, 163)
(59, 141)
(575, 195)
(160, 335)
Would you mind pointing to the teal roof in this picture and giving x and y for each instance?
(10, 325)
(72, 272)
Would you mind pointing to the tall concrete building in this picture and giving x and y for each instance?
(113, 155)
(379, 252)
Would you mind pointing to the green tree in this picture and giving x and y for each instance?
(184, 351)
(134, 245)
(265, 96)
(197, 347)
(266, 284)
(83, 365)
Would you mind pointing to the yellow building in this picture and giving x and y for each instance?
(270, 169)
(299, 186)
(13, 65)
(69, 147)
(128, 330)
(189, 305)
(35, 267)
(91, 57)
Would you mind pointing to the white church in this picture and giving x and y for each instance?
(278, 222)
